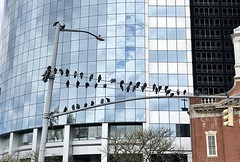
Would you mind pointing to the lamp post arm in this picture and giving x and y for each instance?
(98, 37)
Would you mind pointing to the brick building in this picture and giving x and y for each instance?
(211, 141)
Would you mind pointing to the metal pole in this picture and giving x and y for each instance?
(49, 97)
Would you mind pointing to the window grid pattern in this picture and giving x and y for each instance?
(212, 22)
(169, 34)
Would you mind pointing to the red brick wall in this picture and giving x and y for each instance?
(228, 139)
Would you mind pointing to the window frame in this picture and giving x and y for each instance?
(208, 135)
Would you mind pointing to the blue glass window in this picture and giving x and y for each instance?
(180, 11)
(152, 10)
(162, 11)
(153, 33)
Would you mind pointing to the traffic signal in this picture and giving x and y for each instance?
(228, 117)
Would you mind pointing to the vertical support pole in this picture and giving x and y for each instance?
(105, 157)
(49, 97)
(66, 144)
(35, 140)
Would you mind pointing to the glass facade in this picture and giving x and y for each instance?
(145, 42)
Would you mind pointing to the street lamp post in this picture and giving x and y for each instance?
(46, 110)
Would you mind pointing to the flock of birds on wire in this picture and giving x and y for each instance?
(127, 86)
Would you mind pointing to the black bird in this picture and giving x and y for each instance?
(90, 77)
(77, 84)
(102, 101)
(121, 82)
(99, 78)
(49, 67)
(134, 88)
(113, 80)
(63, 26)
(168, 91)
(92, 103)
(78, 106)
(75, 74)
(121, 86)
(55, 70)
(154, 86)
(73, 107)
(128, 88)
(104, 85)
(165, 88)
(65, 109)
(184, 91)
(171, 94)
(130, 83)
(61, 71)
(137, 84)
(144, 86)
(67, 72)
(81, 75)
(85, 105)
(86, 85)
(95, 85)
(108, 99)
(178, 92)
(156, 90)
(67, 83)
(159, 88)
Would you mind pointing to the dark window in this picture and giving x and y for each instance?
(182, 130)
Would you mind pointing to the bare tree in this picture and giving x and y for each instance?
(8, 158)
(27, 157)
(143, 145)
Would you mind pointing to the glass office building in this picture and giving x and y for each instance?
(145, 41)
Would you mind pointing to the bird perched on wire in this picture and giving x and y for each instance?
(130, 83)
(137, 84)
(168, 91)
(67, 72)
(86, 85)
(61, 71)
(90, 77)
(102, 101)
(128, 88)
(165, 88)
(134, 88)
(99, 78)
(73, 107)
(113, 80)
(81, 75)
(184, 91)
(153, 87)
(77, 84)
(67, 83)
(178, 92)
(75, 74)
